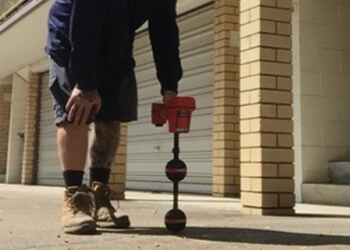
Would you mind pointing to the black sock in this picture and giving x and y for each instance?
(73, 178)
(100, 175)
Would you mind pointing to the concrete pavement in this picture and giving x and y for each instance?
(30, 219)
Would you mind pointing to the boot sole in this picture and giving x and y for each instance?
(85, 228)
(122, 222)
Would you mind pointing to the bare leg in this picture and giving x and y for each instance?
(105, 144)
(72, 144)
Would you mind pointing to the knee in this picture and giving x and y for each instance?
(107, 130)
(70, 129)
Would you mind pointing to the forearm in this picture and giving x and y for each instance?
(164, 34)
(85, 28)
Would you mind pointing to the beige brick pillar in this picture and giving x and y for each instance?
(117, 178)
(31, 131)
(267, 185)
(226, 104)
(5, 111)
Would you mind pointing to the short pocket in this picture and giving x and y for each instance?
(59, 96)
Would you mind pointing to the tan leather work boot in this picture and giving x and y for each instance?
(78, 210)
(105, 212)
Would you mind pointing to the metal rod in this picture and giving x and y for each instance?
(176, 195)
(176, 150)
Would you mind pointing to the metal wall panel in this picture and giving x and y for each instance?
(149, 148)
(49, 172)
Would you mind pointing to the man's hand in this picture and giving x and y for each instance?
(81, 104)
(168, 95)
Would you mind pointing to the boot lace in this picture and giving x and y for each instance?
(107, 198)
(82, 201)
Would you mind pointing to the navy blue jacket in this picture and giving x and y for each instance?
(84, 34)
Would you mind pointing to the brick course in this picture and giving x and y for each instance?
(118, 171)
(5, 111)
(31, 130)
(226, 100)
(266, 113)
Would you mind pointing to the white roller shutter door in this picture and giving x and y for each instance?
(49, 172)
(149, 148)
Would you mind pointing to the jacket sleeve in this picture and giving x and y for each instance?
(164, 35)
(85, 27)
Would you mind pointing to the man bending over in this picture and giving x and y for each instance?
(92, 81)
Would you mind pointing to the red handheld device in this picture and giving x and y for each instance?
(178, 113)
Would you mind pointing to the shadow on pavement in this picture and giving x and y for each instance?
(241, 235)
(322, 216)
(182, 201)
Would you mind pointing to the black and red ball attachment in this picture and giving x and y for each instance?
(178, 113)
(176, 170)
(175, 220)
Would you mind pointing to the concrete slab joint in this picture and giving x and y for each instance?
(266, 113)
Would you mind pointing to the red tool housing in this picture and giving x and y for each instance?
(178, 114)
(158, 113)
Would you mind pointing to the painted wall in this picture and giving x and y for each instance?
(322, 86)
(23, 42)
(297, 99)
